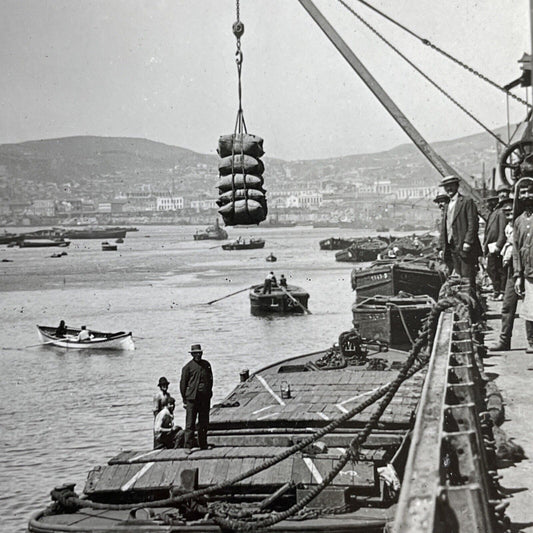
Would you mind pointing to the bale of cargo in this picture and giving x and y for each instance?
(239, 181)
(240, 143)
(243, 212)
(243, 164)
(241, 194)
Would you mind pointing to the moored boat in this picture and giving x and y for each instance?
(276, 410)
(214, 232)
(290, 299)
(108, 247)
(415, 276)
(120, 340)
(368, 250)
(243, 244)
(96, 233)
(42, 243)
(335, 243)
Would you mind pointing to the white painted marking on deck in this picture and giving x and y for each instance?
(263, 409)
(342, 450)
(313, 469)
(323, 415)
(267, 387)
(270, 415)
(341, 408)
(142, 471)
(142, 455)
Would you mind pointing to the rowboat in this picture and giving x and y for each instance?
(252, 244)
(290, 299)
(99, 341)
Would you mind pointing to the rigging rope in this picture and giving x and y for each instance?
(425, 76)
(427, 42)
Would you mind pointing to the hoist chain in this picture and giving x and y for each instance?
(238, 30)
(427, 42)
(425, 76)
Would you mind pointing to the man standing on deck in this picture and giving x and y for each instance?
(523, 255)
(196, 387)
(492, 245)
(459, 232)
(503, 192)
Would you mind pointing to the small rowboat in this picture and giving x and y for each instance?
(99, 341)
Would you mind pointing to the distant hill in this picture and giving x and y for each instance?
(64, 159)
(111, 164)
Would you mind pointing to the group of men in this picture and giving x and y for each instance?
(507, 248)
(196, 389)
(271, 281)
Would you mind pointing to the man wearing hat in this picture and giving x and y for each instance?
(162, 395)
(166, 433)
(459, 231)
(196, 387)
(492, 245)
(503, 192)
(441, 200)
(523, 254)
(510, 298)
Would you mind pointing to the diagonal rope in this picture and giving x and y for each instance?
(427, 42)
(425, 76)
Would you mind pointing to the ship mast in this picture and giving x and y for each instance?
(427, 150)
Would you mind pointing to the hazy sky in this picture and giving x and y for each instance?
(165, 70)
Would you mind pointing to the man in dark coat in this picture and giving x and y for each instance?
(492, 245)
(196, 387)
(459, 231)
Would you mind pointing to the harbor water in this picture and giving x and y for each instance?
(63, 412)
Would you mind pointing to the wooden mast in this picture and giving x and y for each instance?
(427, 150)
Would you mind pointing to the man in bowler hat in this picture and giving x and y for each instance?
(459, 231)
(196, 387)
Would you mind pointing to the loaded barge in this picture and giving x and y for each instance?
(352, 438)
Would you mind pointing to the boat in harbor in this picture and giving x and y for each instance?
(245, 244)
(99, 340)
(214, 232)
(335, 243)
(109, 247)
(362, 251)
(411, 275)
(96, 233)
(42, 243)
(267, 414)
(285, 300)
(7, 238)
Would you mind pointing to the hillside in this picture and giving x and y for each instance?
(108, 165)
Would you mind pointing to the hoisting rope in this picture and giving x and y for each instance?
(240, 124)
(427, 42)
(462, 303)
(425, 76)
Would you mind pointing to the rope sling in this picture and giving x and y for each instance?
(242, 198)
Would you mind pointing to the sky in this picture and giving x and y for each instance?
(165, 70)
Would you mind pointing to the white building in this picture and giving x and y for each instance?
(169, 203)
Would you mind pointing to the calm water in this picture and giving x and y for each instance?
(61, 413)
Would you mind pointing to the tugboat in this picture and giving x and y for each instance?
(214, 232)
